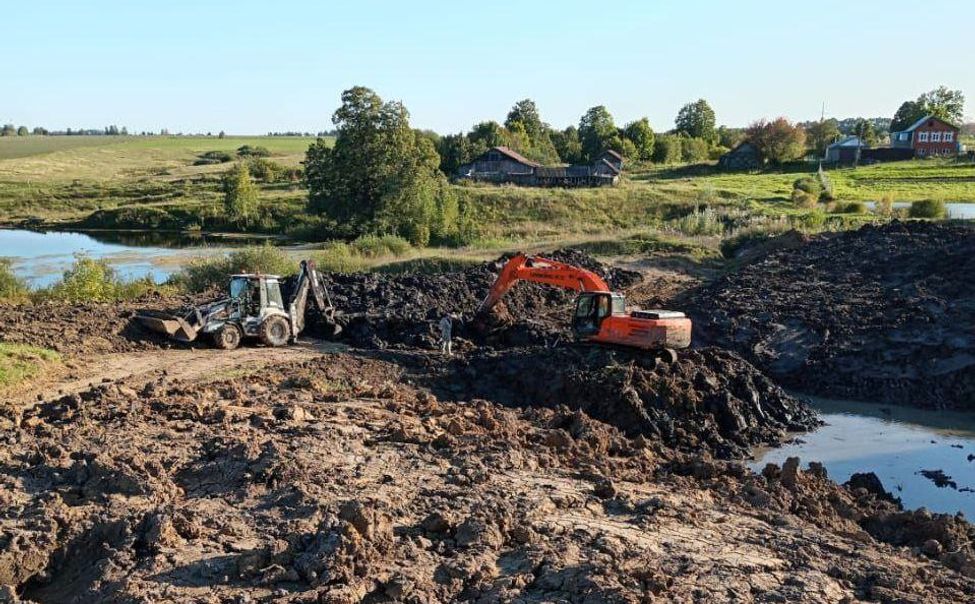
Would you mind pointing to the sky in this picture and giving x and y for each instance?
(249, 67)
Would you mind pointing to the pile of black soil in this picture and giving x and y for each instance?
(379, 310)
(709, 400)
(881, 313)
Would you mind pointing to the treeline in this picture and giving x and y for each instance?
(11, 130)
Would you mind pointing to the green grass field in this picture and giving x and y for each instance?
(151, 182)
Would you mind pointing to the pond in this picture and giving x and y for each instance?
(956, 210)
(41, 257)
(898, 444)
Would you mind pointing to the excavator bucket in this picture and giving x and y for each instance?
(174, 327)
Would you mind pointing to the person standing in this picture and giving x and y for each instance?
(446, 326)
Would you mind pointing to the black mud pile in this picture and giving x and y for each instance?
(709, 400)
(881, 313)
(379, 310)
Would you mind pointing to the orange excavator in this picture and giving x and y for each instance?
(600, 314)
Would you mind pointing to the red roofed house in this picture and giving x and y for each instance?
(929, 136)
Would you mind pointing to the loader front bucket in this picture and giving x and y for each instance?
(174, 327)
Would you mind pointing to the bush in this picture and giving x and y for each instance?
(806, 192)
(694, 150)
(372, 246)
(12, 287)
(249, 151)
(852, 207)
(885, 206)
(91, 280)
(928, 208)
(213, 157)
(203, 274)
(667, 149)
(265, 169)
(697, 223)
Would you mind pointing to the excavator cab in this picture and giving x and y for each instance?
(592, 308)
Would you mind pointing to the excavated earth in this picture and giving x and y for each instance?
(882, 313)
(339, 480)
(518, 471)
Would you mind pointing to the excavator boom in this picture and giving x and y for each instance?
(600, 316)
(541, 270)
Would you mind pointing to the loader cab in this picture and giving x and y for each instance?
(256, 293)
(592, 308)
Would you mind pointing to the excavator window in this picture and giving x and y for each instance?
(591, 309)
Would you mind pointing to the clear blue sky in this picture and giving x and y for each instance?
(252, 67)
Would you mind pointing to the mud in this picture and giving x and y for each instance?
(882, 313)
(339, 480)
(708, 401)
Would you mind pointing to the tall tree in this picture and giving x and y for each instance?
(866, 132)
(529, 135)
(240, 195)
(455, 150)
(948, 105)
(22, 131)
(641, 134)
(596, 131)
(696, 120)
(908, 113)
(8, 130)
(567, 144)
(526, 113)
(821, 134)
(778, 141)
(381, 175)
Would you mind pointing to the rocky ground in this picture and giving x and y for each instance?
(382, 472)
(883, 313)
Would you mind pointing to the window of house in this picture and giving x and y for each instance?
(949, 137)
(922, 137)
(935, 137)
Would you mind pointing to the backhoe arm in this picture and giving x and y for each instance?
(309, 281)
(541, 270)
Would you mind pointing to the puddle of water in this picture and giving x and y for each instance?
(41, 258)
(956, 210)
(895, 443)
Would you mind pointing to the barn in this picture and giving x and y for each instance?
(503, 165)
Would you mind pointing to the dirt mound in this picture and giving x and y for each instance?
(881, 313)
(709, 400)
(336, 480)
(86, 328)
(379, 310)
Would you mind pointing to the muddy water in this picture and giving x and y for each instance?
(42, 257)
(896, 443)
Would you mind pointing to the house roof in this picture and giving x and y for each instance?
(849, 141)
(743, 146)
(613, 153)
(516, 156)
(610, 165)
(921, 121)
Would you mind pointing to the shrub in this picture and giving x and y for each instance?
(699, 222)
(885, 206)
(667, 149)
(806, 192)
(203, 274)
(852, 207)
(928, 208)
(265, 169)
(240, 195)
(12, 287)
(91, 280)
(372, 246)
(694, 149)
(249, 151)
(213, 157)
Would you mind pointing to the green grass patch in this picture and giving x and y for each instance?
(20, 362)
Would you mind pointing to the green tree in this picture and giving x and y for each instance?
(567, 144)
(945, 104)
(822, 134)
(8, 130)
(596, 131)
(239, 195)
(38, 131)
(641, 134)
(694, 150)
(381, 176)
(485, 135)
(530, 136)
(667, 149)
(526, 113)
(866, 132)
(730, 137)
(696, 120)
(22, 131)
(908, 113)
(455, 150)
(778, 141)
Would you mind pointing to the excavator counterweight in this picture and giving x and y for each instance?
(600, 314)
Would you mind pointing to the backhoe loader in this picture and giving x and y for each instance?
(600, 314)
(255, 308)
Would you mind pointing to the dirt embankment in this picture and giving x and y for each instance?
(882, 313)
(335, 480)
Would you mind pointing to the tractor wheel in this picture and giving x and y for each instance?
(667, 355)
(228, 337)
(275, 331)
